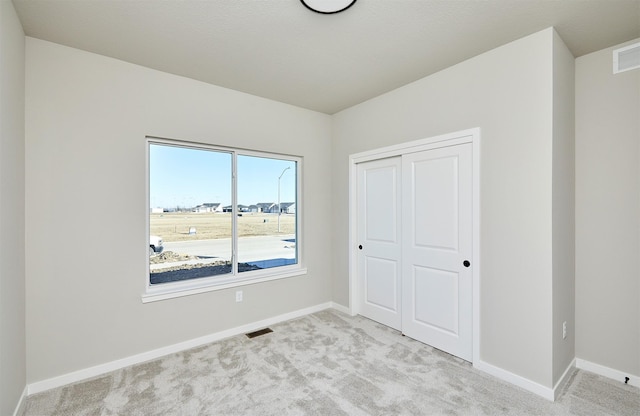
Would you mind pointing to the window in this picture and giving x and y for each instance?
(219, 217)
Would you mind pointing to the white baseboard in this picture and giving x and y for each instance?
(341, 308)
(536, 388)
(552, 394)
(509, 377)
(21, 403)
(617, 375)
(100, 369)
(563, 380)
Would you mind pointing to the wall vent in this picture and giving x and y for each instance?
(627, 58)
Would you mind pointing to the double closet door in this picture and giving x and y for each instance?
(414, 230)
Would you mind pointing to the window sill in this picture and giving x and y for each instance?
(193, 287)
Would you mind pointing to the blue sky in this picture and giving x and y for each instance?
(189, 177)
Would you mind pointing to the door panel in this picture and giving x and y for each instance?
(437, 295)
(381, 284)
(437, 238)
(435, 201)
(381, 205)
(379, 265)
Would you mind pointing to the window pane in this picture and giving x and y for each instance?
(266, 213)
(188, 189)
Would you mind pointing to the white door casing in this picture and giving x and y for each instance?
(437, 248)
(379, 240)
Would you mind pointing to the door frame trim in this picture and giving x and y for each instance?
(445, 140)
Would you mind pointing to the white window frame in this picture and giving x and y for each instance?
(171, 290)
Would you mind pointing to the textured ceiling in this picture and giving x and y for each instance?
(280, 50)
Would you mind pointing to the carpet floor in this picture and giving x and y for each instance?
(327, 363)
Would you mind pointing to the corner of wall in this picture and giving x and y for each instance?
(563, 209)
(12, 185)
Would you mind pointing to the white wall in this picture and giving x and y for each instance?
(508, 93)
(607, 213)
(12, 257)
(87, 118)
(563, 220)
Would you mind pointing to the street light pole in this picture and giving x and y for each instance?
(279, 211)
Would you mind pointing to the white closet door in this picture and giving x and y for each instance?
(437, 247)
(379, 240)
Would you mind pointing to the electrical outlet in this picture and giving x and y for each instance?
(564, 330)
(239, 296)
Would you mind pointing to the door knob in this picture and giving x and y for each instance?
(466, 263)
(360, 246)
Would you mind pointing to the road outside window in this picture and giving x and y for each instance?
(207, 223)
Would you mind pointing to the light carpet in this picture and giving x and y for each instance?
(327, 363)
